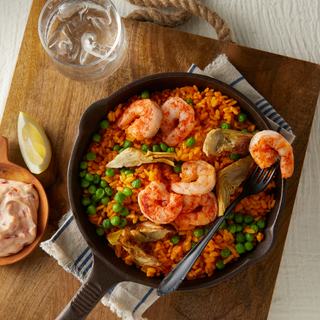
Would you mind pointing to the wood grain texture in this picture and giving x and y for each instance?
(57, 103)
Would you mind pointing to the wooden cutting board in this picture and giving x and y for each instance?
(37, 287)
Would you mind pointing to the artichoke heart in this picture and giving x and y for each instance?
(149, 231)
(233, 141)
(229, 179)
(133, 247)
(131, 239)
(132, 157)
(144, 232)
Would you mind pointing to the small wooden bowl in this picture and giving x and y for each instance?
(11, 171)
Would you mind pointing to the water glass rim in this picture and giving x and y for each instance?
(118, 19)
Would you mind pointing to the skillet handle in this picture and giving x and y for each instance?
(96, 285)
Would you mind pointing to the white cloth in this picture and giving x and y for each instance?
(67, 246)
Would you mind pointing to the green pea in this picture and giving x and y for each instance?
(122, 149)
(190, 101)
(82, 173)
(225, 253)
(193, 244)
(96, 137)
(116, 147)
(91, 209)
(225, 125)
(240, 248)
(198, 232)
(220, 265)
(244, 130)
(242, 117)
(123, 222)
(145, 148)
(96, 179)
(253, 223)
(230, 216)
(243, 225)
(90, 156)
(127, 144)
(129, 171)
(234, 157)
(206, 229)
(124, 211)
(171, 150)
(177, 169)
(120, 197)
(105, 200)
(249, 236)
(238, 218)
(117, 207)
(86, 201)
(164, 147)
(223, 224)
(240, 238)
(254, 132)
(88, 177)
(109, 191)
(99, 231)
(110, 172)
(94, 198)
(156, 148)
(92, 189)
(83, 165)
(145, 94)
(191, 142)
(106, 224)
(232, 228)
(175, 239)
(84, 183)
(261, 223)
(249, 246)
(127, 192)
(104, 124)
(136, 183)
(123, 170)
(103, 183)
(115, 221)
(238, 228)
(254, 227)
(100, 193)
(248, 219)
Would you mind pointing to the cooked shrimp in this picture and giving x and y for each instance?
(197, 177)
(267, 146)
(176, 110)
(158, 205)
(143, 117)
(198, 210)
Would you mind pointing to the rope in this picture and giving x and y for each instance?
(189, 8)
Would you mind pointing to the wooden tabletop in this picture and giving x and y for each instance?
(37, 287)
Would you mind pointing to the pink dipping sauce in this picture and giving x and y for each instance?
(19, 204)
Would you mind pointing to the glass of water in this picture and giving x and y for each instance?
(85, 39)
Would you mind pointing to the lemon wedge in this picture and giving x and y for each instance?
(34, 144)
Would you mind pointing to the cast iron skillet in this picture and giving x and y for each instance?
(107, 269)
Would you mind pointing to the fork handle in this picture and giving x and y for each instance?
(172, 281)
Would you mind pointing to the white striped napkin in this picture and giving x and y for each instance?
(67, 246)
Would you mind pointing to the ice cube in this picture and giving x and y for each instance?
(61, 45)
(99, 22)
(89, 44)
(66, 10)
(91, 49)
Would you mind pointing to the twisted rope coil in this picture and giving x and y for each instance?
(189, 8)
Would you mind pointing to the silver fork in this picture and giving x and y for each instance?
(256, 183)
